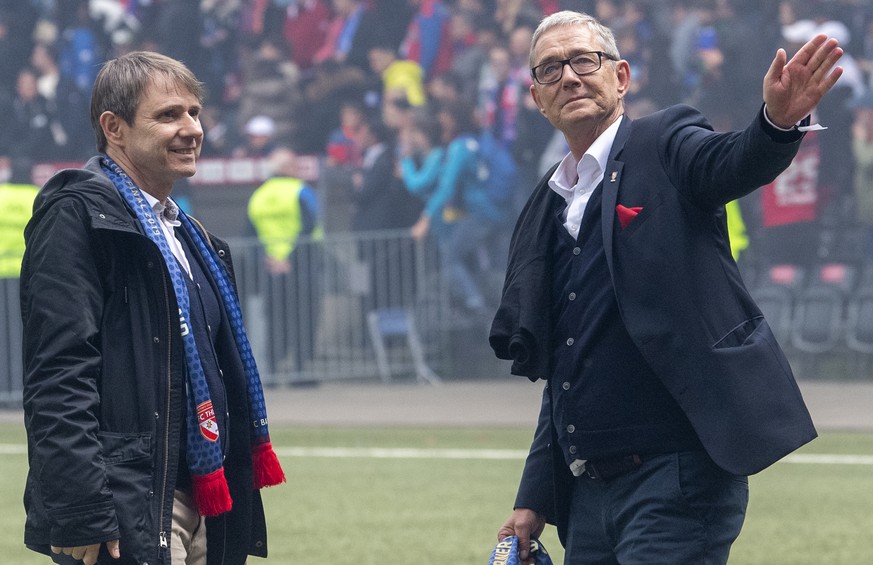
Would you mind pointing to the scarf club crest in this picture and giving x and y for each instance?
(207, 421)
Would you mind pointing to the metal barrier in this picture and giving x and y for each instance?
(353, 306)
(10, 343)
(362, 305)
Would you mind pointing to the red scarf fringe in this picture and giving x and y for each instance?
(267, 471)
(211, 493)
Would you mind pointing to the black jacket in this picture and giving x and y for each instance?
(382, 202)
(105, 380)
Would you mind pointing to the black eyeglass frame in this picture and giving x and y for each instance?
(566, 63)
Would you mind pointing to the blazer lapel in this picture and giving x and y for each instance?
(611, 184)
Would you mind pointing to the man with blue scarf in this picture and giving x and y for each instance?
(146, 423)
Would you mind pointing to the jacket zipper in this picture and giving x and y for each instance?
(162, 541)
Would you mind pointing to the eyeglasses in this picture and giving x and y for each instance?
(582, 64)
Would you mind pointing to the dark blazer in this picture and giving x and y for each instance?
(679, 291)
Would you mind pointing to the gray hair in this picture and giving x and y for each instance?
(571, 18)
(282, 162)
(121, 82)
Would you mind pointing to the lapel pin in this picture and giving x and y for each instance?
(613, 176)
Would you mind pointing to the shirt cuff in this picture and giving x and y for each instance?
(776, 133)
(802, 126)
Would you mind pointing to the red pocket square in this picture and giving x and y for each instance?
(625, 215)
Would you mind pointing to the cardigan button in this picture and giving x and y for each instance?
(572, 296)
(571, 428)
(570, 341)
(577, 250)
(566, 385)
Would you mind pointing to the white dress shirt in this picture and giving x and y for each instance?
(576, 181)
(168, 215)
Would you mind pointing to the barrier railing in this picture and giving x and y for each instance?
(10, 342)
(350, 306)
(374, 305)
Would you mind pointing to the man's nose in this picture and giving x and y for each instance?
(191, 126)
(569, 76)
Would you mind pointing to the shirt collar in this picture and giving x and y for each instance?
(593, 162)
(168, 211)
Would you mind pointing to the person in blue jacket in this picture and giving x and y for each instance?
(422, 156)
(477, 216)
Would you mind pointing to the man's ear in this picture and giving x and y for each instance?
(536, 99)
(623, 72)
(112, 127)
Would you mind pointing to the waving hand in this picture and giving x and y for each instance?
(793, 89)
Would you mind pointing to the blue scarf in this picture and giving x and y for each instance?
(204, 451)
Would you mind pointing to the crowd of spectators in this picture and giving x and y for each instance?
(423, 78)
(400, 101)
(297, 61)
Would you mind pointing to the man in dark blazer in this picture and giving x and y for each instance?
(665, 387)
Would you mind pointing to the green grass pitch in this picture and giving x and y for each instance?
(398, 511)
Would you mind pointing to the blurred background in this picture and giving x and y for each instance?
(331, 126)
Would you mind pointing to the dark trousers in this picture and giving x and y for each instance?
(460, 252)
(294, 308)
(676, 509)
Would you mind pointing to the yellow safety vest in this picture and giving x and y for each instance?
(736, 229)
(274, 210)
(16, 208)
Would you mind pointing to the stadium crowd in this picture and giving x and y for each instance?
(402, 101)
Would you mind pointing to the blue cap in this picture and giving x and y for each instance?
(506, 553)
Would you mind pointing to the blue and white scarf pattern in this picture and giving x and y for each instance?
(204, 451)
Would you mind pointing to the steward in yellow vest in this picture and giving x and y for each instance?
(16, 207)
(282, 209)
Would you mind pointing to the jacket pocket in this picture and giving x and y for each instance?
(128, 461)
(740, 335)
(648, 208)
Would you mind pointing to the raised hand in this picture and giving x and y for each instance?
(793, 89)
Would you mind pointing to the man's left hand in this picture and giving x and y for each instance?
(793, 89)
(88, 553)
